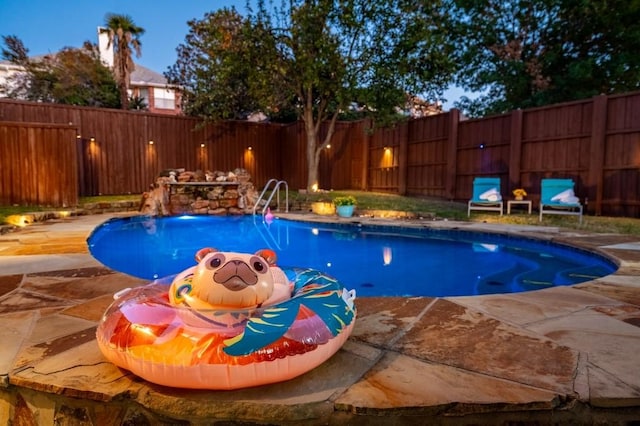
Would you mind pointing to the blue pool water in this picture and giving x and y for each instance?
(376, 261)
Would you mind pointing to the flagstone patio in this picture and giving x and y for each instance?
(564, 355)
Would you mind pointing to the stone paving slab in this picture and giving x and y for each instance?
(565, 355)
(45, 262)
(454, 335)
(399, 382)
(14, 327)
(611, 344)
(533, 306)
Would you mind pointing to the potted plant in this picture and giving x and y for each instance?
(345, 205)
(519, 193)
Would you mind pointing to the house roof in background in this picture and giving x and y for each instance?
(141, 76)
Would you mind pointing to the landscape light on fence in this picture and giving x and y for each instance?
(329, 146)
(201, 145)
(249, 148)
(482, 146)
(387, 158)
(150, 142)
(92, 139)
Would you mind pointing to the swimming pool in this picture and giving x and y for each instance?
(374, 260)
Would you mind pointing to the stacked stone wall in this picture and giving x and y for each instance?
(179, 192)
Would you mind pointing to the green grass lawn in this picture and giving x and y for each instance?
(439, 208)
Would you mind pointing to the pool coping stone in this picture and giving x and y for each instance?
(564, 355)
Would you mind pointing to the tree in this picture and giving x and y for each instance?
(35, 82)
(317, 58)
(71, 76)
(593, 48)
(82, 79)
(124, 37)
(524, 53)
(212, 68)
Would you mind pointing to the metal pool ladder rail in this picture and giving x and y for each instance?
(275, 190)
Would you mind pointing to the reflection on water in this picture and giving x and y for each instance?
(387, 255)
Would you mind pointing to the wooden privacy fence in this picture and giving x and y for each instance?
(596, 142)
(38, 163)
(123, 152)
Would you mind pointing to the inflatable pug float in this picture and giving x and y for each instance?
(234, 320)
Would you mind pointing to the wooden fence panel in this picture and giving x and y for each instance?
(293, 155)
(259, 146)
(355, 160)
(483, 151)
(341, 162)
(341, 165)
(39, 165)
(427, 151)
(384, 164)
(621, 165)
(555, 143)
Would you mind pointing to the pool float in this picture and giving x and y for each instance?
(233, 320)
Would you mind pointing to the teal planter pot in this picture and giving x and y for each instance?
(345, 211)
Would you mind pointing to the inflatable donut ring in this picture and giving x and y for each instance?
(149, 330)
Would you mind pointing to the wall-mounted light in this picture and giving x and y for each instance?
(249, 148)
(387, 158)
(201, 145)
(482, 145)
(78, 136)
(92, 139)
(329, 146)
(150, 142)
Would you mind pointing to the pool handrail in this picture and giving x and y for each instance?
(276, 189)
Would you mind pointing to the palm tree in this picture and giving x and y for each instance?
(124, 38)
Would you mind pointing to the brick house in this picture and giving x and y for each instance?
(146, 84)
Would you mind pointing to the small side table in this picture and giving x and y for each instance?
(515, 202)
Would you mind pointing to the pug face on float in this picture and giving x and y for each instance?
(226, 280)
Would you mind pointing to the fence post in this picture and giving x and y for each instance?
(515, 151)
(452, 153)
(596, 150)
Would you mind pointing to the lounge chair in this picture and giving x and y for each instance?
(557, 197)
(486, 195)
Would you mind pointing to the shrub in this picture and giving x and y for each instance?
(347, 200)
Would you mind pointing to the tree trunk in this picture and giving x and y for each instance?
(312, 158)
(314, 147)
(124, 97)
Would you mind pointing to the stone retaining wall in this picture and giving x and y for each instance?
(179, 192)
